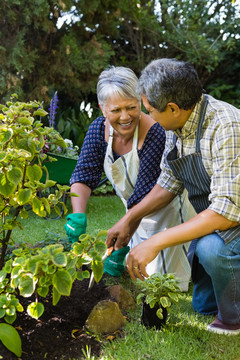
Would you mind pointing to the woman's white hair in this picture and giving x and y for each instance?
(117, 81)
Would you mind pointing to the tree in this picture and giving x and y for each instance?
(38, 56)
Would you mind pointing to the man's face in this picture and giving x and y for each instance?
(166, 118)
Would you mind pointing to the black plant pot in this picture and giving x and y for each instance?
(149, 317)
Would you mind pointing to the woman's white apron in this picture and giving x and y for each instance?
(123, 174)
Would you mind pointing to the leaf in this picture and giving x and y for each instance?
(62, 281)
(15, 175)
(102, 233)
(174, 296)
(2, 155)
(6, 187)
(56, 296)
(23, 214)
(43, 291)
(86, 274)
(2, 313)
(97, 268)
(28, 145)
(10, 318)
(11, 339)
(50, 183)
(46, 205)
(100, 246)
(60, 259)
(35, 310)
(32, 264)
(23, 120)
(23, 196)
(40, 112)
(38, 207)
(159, 313)
(165, 302)
(5, 135)
(2, 275)
(11, 311)
(26, 285)
(34, 172)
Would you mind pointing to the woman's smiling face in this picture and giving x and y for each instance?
(123, 114)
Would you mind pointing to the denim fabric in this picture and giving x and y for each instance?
(219, 285)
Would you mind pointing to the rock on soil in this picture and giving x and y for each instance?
(59, 333)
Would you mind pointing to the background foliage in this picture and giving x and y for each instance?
(63, 45)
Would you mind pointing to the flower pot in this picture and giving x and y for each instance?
(149, 317)
(60, 170)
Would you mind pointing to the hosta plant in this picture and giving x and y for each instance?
(33, 272)
(158, 292)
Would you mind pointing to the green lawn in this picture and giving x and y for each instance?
(184, 337)
(102, 213)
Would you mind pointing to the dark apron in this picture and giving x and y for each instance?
(191, 171)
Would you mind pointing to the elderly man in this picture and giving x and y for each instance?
(202, 154)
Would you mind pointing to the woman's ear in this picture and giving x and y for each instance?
(101, 108)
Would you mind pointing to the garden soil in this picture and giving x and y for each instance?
(59, 333)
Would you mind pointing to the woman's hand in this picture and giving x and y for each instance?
(120, 234)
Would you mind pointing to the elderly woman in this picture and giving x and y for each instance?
(127, 145)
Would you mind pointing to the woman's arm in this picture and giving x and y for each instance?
(123, 230)
(79, 203)
(150, 156)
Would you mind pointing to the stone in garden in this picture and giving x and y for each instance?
(122, 297)
(105, 318)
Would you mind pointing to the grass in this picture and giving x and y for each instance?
(102, 213)
(184, 337)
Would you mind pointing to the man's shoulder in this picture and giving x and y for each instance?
(221, 106)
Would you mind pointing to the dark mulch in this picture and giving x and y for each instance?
(53, 336)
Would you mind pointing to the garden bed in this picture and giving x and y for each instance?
(59, 333)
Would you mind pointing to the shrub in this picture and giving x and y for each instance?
(33, 271)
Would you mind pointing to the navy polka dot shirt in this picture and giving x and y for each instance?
(89, 166)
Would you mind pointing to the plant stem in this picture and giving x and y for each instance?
(6, 238)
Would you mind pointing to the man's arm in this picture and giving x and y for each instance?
(123, 230)
(202, 224)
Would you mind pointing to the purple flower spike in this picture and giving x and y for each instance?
(53, 110)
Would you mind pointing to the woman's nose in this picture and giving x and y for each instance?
(125, 114)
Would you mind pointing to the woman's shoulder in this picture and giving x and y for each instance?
(98, 122)
(150, 128)
(97, 127)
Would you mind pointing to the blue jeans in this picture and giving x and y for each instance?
(218, 288)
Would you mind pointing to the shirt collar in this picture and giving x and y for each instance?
(192, 123)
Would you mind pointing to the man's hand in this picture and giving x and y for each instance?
(140, 256)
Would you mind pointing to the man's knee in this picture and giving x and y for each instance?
(209, 249)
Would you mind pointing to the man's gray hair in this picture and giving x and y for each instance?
(117, 80)
(170, 80)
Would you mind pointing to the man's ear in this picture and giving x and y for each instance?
(174, 108)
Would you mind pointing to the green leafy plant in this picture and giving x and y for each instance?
(22, 160)
(33, 271)
(159, 290)
(71, 151)
(73, 123)
(36, 271)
